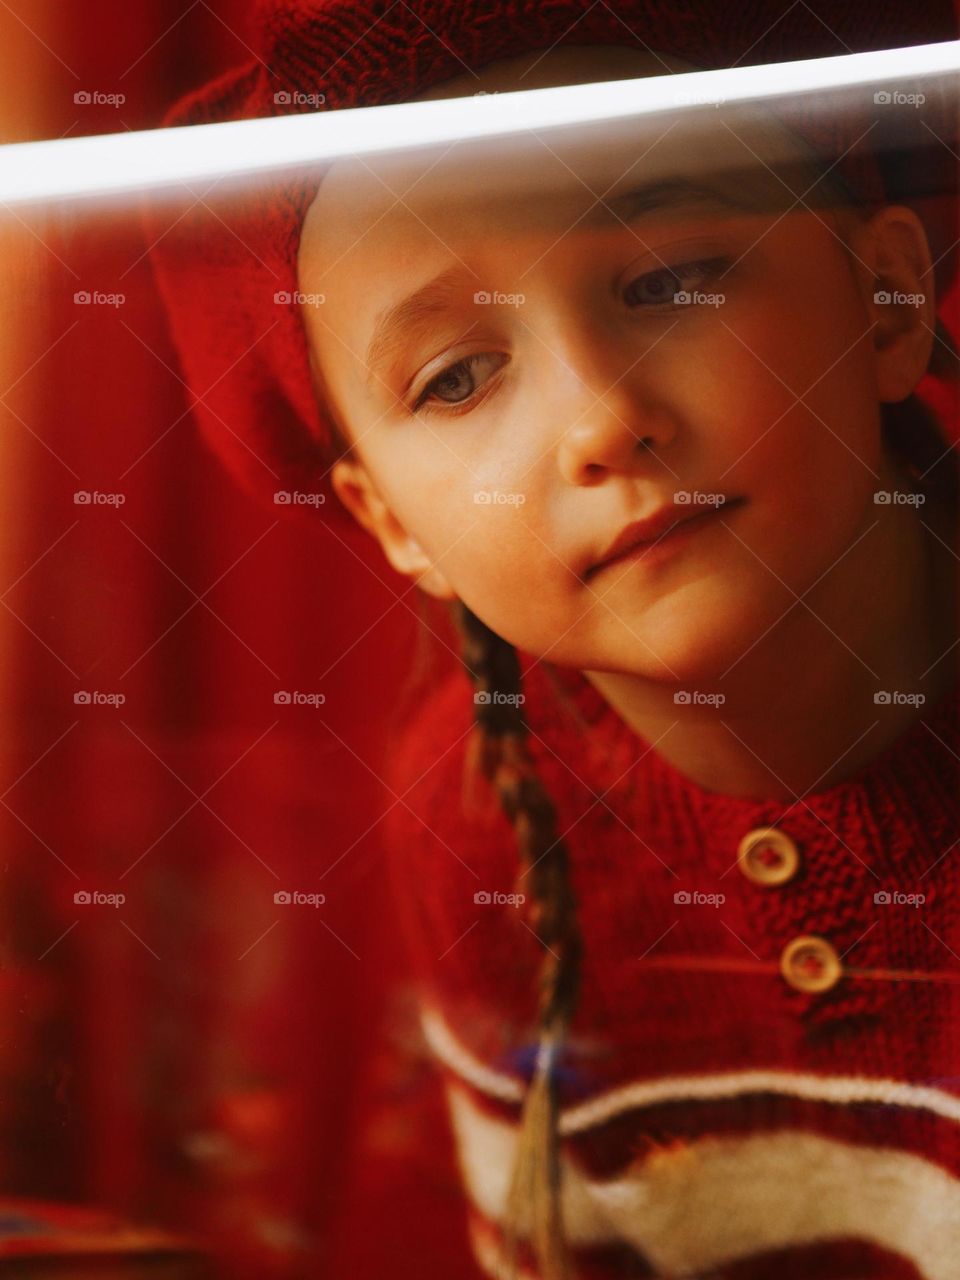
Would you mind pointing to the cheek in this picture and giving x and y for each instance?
(502, 562)
(496, 556)
(795, 389)
(789, 417)
(480, 528)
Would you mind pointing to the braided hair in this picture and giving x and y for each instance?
(499, 753)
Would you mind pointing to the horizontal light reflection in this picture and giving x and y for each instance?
(134, 160)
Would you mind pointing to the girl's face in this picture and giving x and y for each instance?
(501, 342)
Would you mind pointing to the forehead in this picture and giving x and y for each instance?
(381, 227)
(544, 184)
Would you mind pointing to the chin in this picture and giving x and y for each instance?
(692, 650)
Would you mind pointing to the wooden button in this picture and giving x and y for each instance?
(809, 963)
(767, 856)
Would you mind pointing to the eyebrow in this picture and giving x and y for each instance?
(392, 327)
(672, 193)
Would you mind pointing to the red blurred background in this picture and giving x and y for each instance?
(199, 1057)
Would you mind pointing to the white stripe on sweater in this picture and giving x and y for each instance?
(722, 1199)
(606, 1106)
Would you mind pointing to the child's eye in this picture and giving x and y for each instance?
(657, 288)
(456, 381)
(456, 386)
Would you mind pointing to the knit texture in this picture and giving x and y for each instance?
(226, 268)
(716, 1120)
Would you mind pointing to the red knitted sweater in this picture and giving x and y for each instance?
(731, 1106)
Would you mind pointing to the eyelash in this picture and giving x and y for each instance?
(710, 268)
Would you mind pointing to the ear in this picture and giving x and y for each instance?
(355, 488)
(896, 278)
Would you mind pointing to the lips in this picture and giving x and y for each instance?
(659, 525)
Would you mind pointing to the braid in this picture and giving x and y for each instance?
(499, 752)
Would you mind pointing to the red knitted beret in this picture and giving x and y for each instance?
(221, 266)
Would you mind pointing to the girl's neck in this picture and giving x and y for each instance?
(800, 711)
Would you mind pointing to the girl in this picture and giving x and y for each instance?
(644, 413)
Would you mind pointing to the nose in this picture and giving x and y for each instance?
(618, 431)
